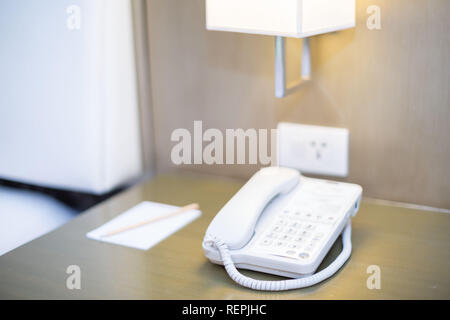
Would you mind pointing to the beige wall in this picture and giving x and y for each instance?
(389, 87)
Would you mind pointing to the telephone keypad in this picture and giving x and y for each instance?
(299, 230)
(294, 239)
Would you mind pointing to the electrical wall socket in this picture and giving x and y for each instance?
(313, 149)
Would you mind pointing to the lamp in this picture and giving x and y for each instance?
(282, 18)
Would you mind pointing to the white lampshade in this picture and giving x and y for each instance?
(287, 18)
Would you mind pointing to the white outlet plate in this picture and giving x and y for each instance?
(313, 149)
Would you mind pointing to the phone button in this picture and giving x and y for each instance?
(272, 235)
(277, 229)
(305, 234)
(280, 244)
(304, 255)
(291, 231)
(295, 225)
(298, 239)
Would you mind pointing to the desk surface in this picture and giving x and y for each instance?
(411, 247)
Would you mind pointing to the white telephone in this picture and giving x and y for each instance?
(282, 223)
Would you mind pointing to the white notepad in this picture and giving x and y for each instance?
(146, 236)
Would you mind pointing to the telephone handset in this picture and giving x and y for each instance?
(282, 223)
(235, 223)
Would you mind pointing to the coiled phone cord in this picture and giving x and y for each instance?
(291, 283)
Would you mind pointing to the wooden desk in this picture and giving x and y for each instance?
(411, 247)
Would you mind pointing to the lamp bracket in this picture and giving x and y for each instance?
(281, 90)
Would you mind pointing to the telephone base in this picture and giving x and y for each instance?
(276, 272)
(292, 233)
